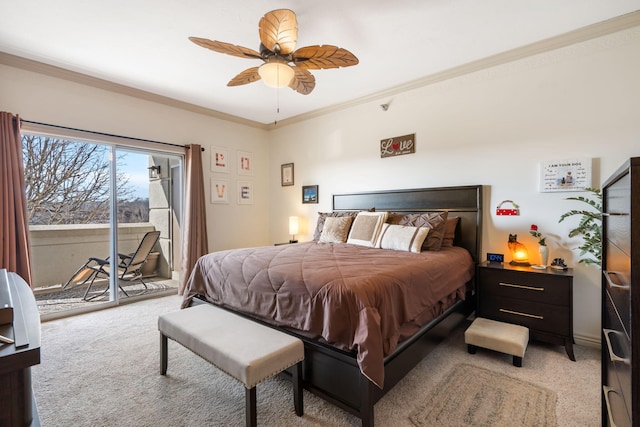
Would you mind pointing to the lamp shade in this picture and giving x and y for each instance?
(276, 74)
(293, 225)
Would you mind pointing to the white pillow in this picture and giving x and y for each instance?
(335, 229)
(366, 228)
(402, 237)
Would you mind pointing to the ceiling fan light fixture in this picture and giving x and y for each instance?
(276, 74)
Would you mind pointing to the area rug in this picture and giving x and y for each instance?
(473, 396)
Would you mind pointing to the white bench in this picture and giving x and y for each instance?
(498, 336)
(244, 349)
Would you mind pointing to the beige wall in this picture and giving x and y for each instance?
(492, 127)
(40, 98)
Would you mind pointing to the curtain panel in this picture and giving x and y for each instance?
(195, 242)
(15, 254)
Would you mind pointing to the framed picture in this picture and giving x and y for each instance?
(565, 175)
(245, 163)
(245, 192)
(219, 191)
(219, 160)
(309, 194)
(286, 174)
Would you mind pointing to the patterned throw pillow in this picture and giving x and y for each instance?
(436, 221)
(322, 216)
(336, 229)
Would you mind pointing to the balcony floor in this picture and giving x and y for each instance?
(55, 300)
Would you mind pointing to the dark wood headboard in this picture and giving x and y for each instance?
(464, 202)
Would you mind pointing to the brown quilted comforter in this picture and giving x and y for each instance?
(349, 296)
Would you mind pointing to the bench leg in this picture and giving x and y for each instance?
(471, 348)
(163, 354)
(298, 403)
(517, 361)
(251, 410)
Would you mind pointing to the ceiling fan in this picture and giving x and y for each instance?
(283, 65)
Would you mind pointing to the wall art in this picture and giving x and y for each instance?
(219, 160)
(219, 191)
(398, 145)
(309, 194)
(245, 192)
(286, 174)
(565, 175)
(245, 163)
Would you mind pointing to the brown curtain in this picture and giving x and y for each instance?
(195, 243)
(15, 252)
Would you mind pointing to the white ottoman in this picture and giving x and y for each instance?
(246, 350)
(498, 336)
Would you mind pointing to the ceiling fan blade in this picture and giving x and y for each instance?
(303, 81)
(249, 75)
(279, 31)
(327, 56)
(226, 48)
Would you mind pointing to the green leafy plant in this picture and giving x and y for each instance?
(589, 227)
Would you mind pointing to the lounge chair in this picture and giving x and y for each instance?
(129, 267)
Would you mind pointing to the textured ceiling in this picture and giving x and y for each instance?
(144, 44)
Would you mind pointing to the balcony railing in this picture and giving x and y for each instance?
(57, 251)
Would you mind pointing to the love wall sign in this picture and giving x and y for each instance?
(398, 145)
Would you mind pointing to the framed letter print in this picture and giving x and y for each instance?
(245, 192)
(219, 160)
(219, 191)
(286, 174)
(245, 163)
(565, 175)
(309, 194)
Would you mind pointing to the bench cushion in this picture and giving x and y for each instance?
(248, 351)
(498, 336)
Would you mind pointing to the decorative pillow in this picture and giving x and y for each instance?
(436, 221)
(322, 216)
(336, 229)
(402, 237)
(366, 228)
(450, 231)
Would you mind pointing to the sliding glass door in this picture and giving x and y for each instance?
(104, 221)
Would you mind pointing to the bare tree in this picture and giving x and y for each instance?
(67, 182)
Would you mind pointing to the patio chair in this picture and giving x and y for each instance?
(129, 267)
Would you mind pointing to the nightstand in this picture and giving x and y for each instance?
(541, 300)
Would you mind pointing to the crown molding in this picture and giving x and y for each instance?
(580, 35)
(73, 76)
(590, 32)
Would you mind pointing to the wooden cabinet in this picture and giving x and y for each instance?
(17, 405)
(541, 300)
(621, 296)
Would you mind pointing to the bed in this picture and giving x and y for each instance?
(366, 315)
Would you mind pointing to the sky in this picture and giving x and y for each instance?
(135, 166)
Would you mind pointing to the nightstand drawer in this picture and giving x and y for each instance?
(534, 287)
(540, 317)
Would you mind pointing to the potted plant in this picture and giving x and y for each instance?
(589, 227)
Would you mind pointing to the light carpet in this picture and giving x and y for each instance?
(102, 369)
(473, 396)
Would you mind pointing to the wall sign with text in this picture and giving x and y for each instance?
(398, 145)
(565, 175)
